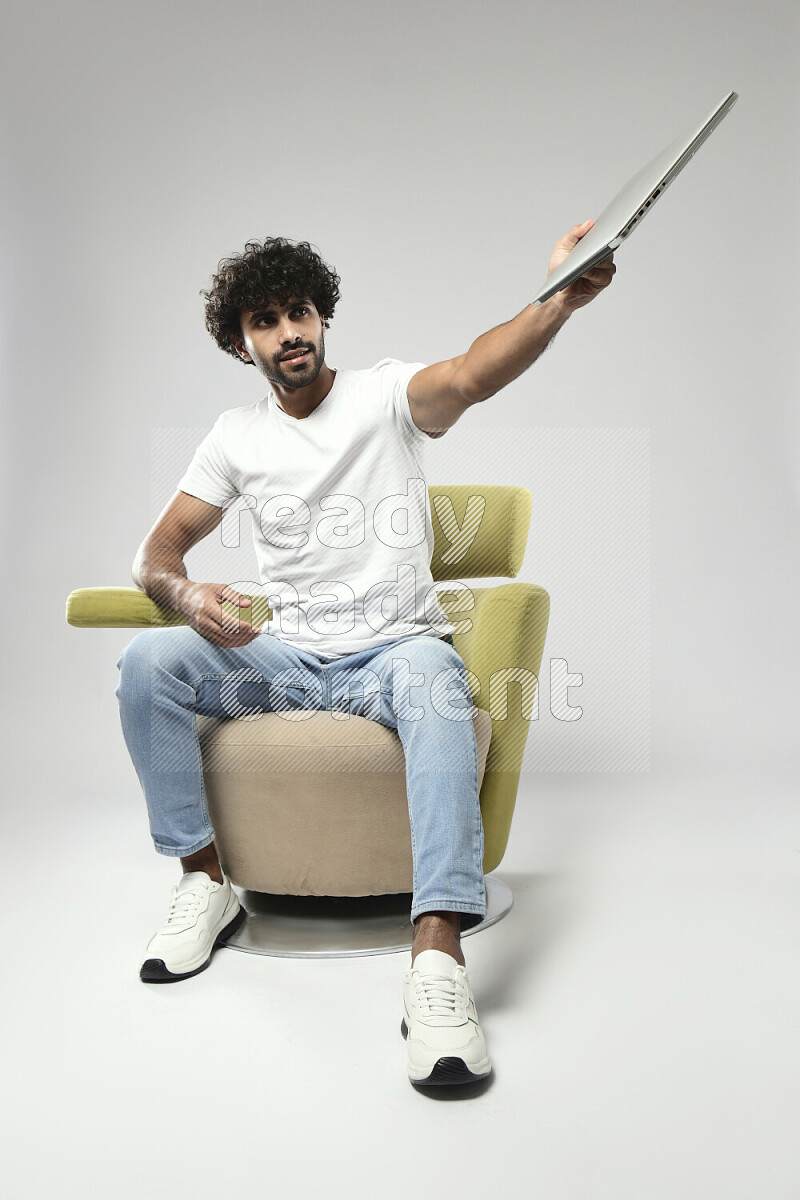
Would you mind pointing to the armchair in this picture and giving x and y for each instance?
(317, 807)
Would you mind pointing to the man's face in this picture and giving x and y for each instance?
(286, 342)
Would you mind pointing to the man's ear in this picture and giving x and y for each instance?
(239, 347)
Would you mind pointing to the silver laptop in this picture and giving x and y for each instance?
(628, 208)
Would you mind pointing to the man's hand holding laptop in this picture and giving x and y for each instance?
(583, 290)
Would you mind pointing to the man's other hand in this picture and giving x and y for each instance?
(201, 604)
(583, 290)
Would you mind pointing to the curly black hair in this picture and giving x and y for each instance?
(272, 271)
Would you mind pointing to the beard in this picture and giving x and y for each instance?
(294, 378)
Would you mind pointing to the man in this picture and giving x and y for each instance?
(347, 444)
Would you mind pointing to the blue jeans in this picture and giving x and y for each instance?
(415, 685)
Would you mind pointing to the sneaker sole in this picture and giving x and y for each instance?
(447, 1072)
(155, 970)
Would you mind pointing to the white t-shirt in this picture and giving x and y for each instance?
(339, 501)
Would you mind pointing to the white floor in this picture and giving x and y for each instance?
(641, 1002)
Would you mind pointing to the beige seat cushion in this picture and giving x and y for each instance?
(314, 806)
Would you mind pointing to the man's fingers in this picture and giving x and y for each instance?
(229, 593)
(230, 622)
(606, 266)
(227, 641)
(229, 631)
(602, 272)
(230, 625)
(209, 615)
(575, 234)
(224, 629)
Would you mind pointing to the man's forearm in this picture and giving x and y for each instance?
(159, 571)
(501, 355)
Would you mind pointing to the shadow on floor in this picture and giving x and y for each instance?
(517, 947)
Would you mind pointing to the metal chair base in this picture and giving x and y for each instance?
(341, 927)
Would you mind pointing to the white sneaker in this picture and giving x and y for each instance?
(201, 914)
(445, 1041)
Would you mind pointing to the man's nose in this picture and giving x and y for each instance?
(288, 333)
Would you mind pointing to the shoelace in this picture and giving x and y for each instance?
(439, 996)
(183, 907)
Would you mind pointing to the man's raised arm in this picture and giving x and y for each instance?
(159, 570)
(439, 394)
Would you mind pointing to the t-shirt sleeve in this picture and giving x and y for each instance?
(395, 377)
(208, 476)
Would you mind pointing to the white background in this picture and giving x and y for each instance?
(434, 153)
